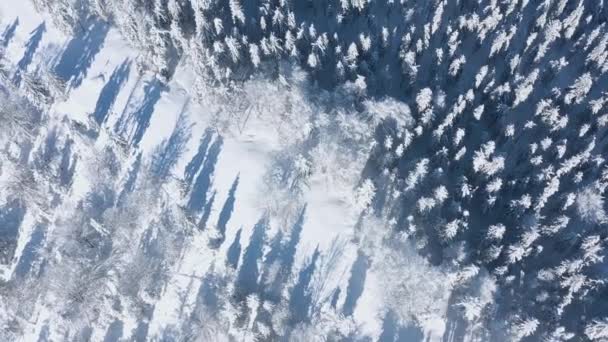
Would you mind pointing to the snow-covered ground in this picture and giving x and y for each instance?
(247, 153)
(332, 170)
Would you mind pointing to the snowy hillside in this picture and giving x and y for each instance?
(321, 170)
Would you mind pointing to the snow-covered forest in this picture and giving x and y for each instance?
(303, 170)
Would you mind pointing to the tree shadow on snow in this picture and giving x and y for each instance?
(81, 51)
(110, 91)
(9, 33)
(133, 123)
(11, 217)
(28, 55)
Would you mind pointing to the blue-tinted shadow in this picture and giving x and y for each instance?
(207, 211)
(9, 33)
(28, 55)
(197, 161)
(198, 196)
(131, 180)
(114, 332)
(234, 251)
(11, 217)
(301, 298)
(169, 151)
(110, 91)
(81, 51)
(247, 278)
(356, 284)
(143, 114)
(68, 164)
(31, 252)
(227, 210)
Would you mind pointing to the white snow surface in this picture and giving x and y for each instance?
(247, 152)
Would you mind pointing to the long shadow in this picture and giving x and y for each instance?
(45, 155)
(169, 151)
(131, 180)
(300, 299)
(226, 212)
(84, 334)
(455, 324)
(207, 295)
(197, 161)
(28, 55)
(114, 332)
(98, 201)
(356, 284)
(44, 334)
(11, 217)
(31, 252)
(208, 300)
(140, 333)
(410, 333)
(283, 254)
(202, 224)
(393, 332)
(141, 117)
(247, 278)
(271, 260)
(234, 251)
(67, 166)
(289, 253)
(110, 91)
(9, 33)
(198, 196)
(81, 51)
(389, 328)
